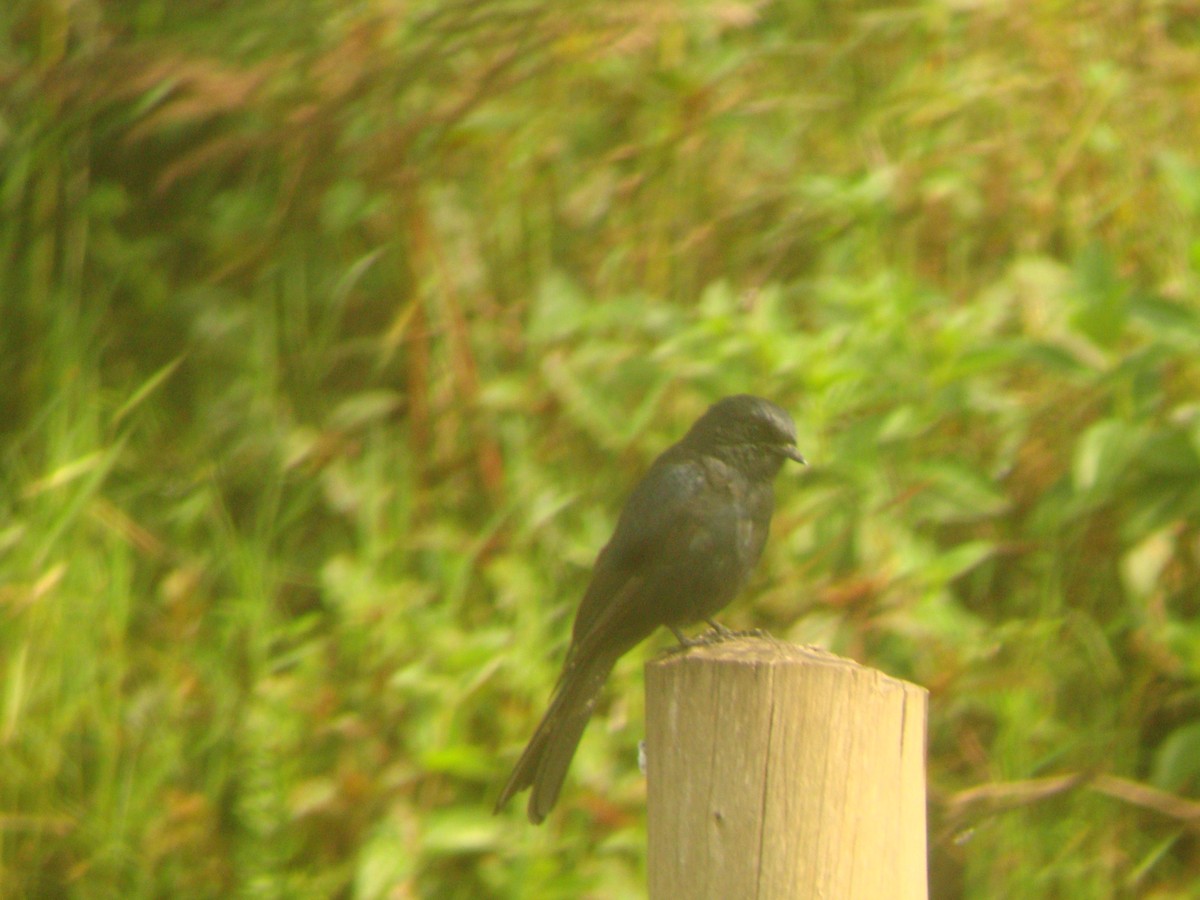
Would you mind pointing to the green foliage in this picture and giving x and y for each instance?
(332, 336)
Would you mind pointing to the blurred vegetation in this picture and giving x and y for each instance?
(333, 333)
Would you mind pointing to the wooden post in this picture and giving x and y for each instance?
(782, 771)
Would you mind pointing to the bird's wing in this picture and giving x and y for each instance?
(675, 510)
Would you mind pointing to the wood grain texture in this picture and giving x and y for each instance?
(782, 771)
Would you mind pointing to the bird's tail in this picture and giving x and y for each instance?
(543, 765)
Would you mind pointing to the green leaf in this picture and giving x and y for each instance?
(1103, 454)
(952, 491)
(1176, 323)
(462, 761)
(1177, 761)
(1142, 566)
(457, 831)
(1102, 297)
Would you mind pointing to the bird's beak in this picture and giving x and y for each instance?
(793, 454)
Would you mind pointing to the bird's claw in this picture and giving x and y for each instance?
(717, 634)
(722, 634)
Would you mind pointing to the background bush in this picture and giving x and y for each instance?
(332, 335)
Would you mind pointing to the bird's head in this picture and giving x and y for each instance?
(748, 431)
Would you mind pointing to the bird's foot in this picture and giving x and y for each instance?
(751, 633)
(717, 628)
(717, 634)
(685, 642)
(720, 633)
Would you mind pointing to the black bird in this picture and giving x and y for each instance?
(684, 546)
